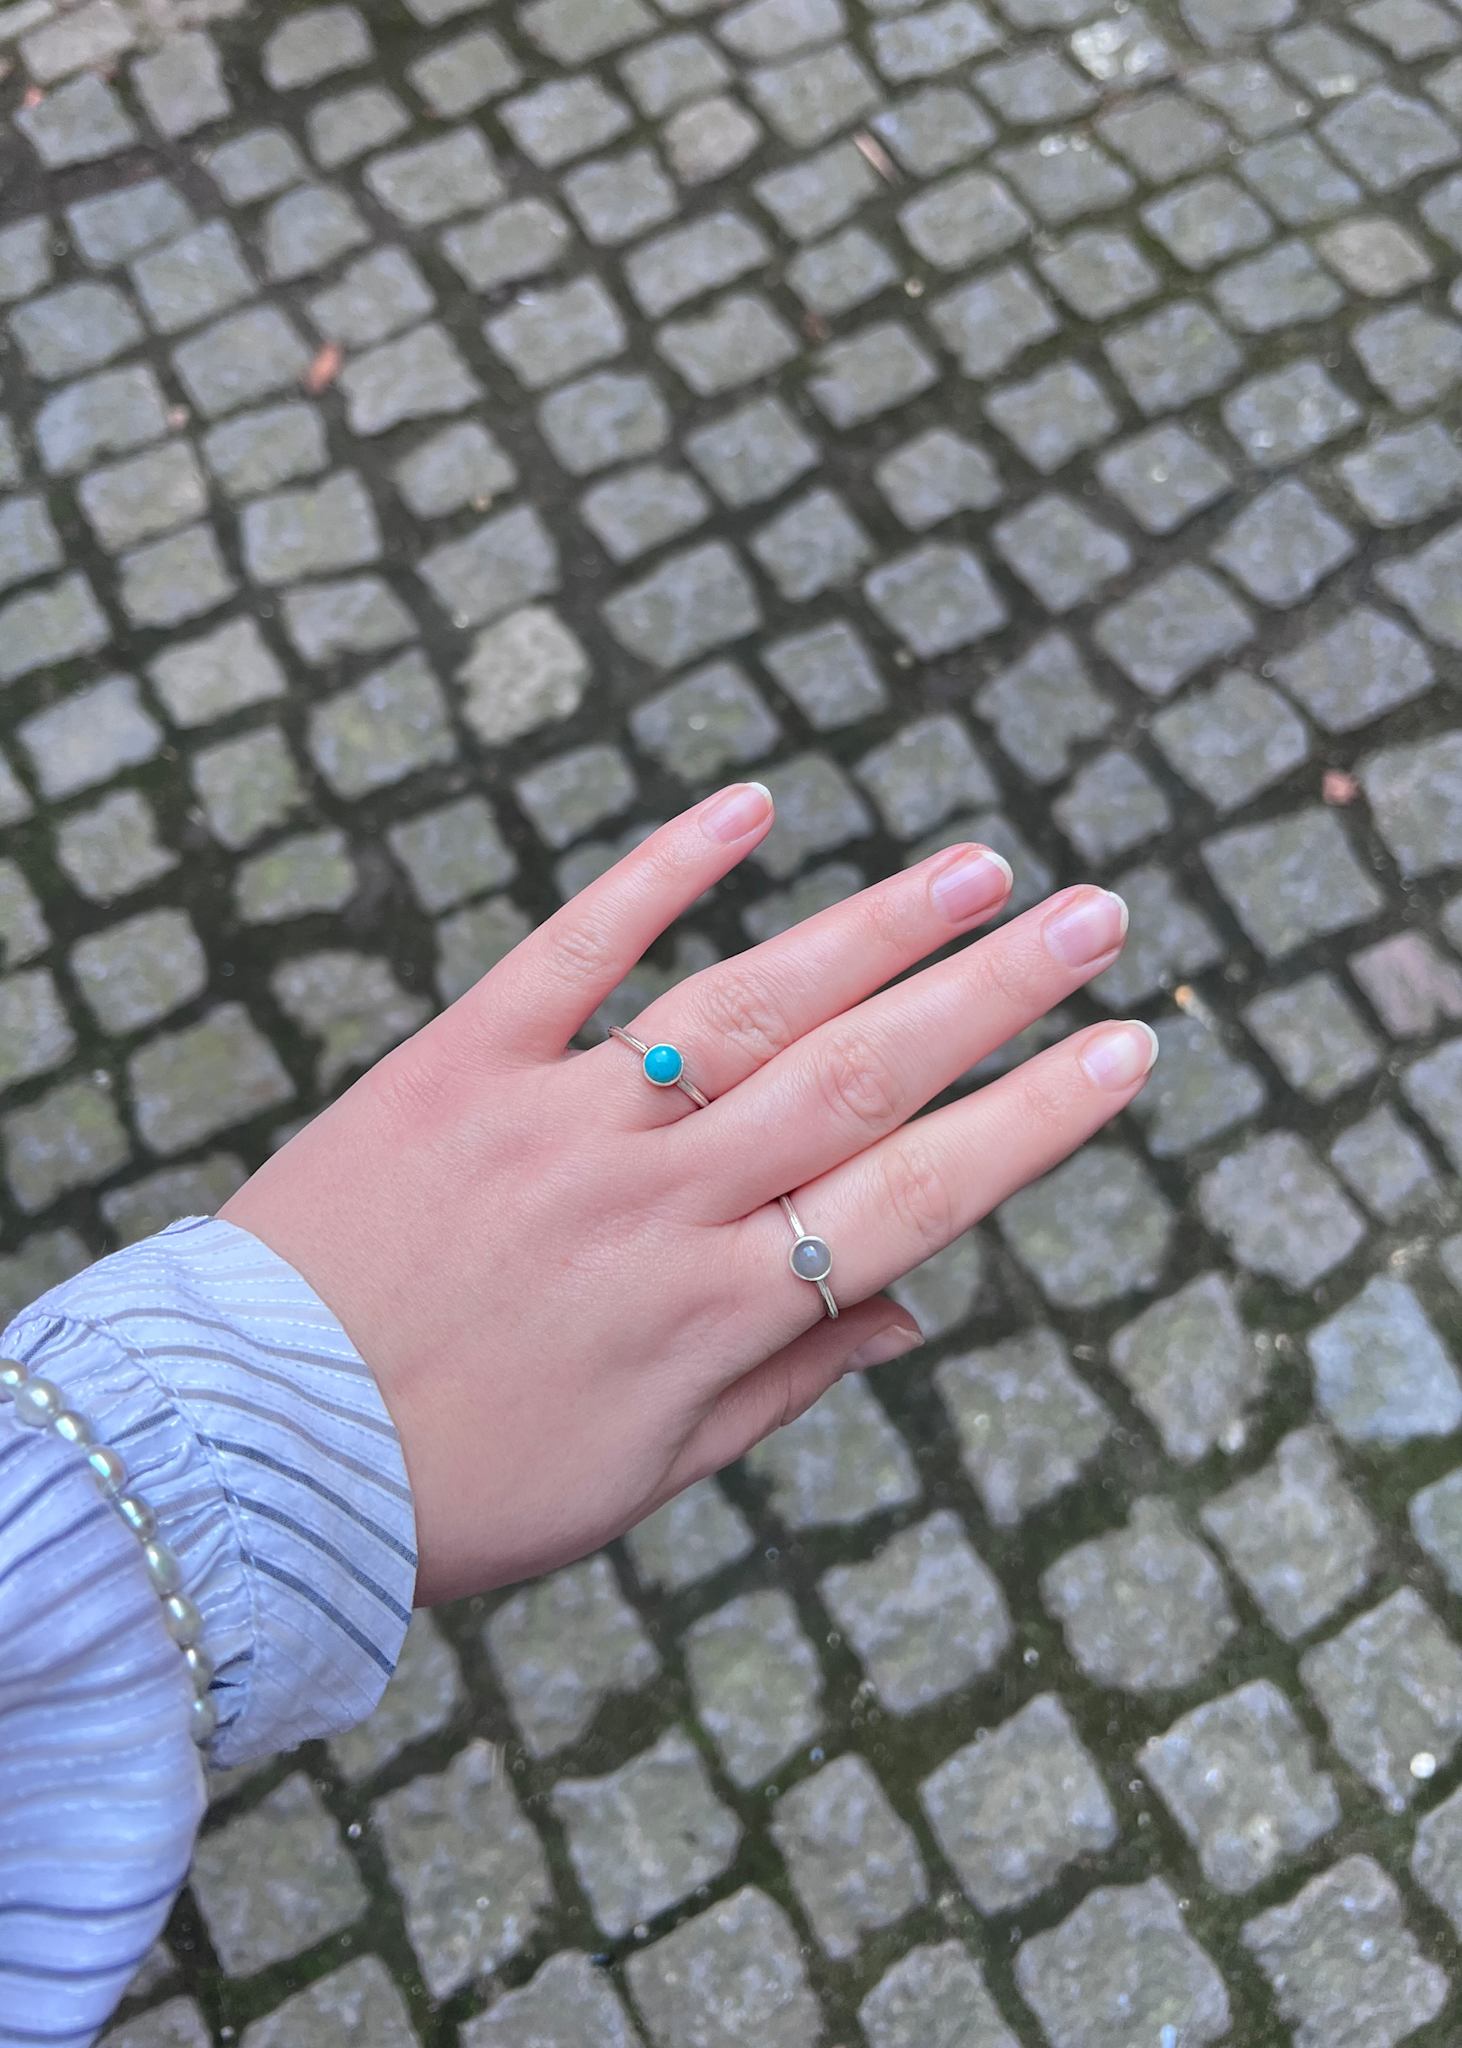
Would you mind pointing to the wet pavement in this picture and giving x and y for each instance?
(441, 439)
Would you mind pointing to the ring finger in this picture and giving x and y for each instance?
(902, 1200)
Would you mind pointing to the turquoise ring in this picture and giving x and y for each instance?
(663, 1066)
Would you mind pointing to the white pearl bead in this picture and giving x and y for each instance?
(162, 1567)
(37, 1403)
(111, 1473)
(136, 1514)
(200, 1664)
(184, 1622)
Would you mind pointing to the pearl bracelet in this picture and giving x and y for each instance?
(39, 1405)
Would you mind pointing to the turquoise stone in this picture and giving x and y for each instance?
(663, 1065)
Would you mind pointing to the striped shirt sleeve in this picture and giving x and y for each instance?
(259, 1437)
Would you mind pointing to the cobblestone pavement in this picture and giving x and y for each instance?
(442, 438)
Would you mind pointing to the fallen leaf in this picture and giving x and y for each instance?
(873, 152)
(325, 368)
(1337, 787)
(814, 327)
(33, 96)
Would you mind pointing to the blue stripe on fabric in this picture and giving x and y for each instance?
(331, 1613)
(244, 1463)
(313, 1485)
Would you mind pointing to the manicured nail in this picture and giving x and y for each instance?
(737, 811)
(890, 1343)
(1120, 1054)
(1087, 928)
(977, 881)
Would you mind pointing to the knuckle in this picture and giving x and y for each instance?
(1045, 1105)
(1011, 969)
(857, 1085)
(890, 919)
(414, 1088)
(581, 949)
(917, 1191)
(738, 1011)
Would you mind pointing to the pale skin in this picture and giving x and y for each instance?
(573, 1287)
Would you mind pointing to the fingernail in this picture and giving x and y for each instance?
(975, 882)
(1087, 929)
(737, 811)
(1120, 1054)
(890, 1343)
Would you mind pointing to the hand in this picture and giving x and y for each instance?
(573, 1287)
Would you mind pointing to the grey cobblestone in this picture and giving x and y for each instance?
(1345, 1967)
(1123, 1960)
(645, 1837)
(853, 1862)
(312, 871)
(1238, 1775)
(1027, 1425)
(149, 1204)
(931, 1993)
(413, 477)
(925, 1615)
(1390, 1688)
(275, 1880)
(469, 1867)
(1436, 1522)
(1381, 1161)
(733, 1973)
(1293, 880)
(355, 2007)
(561, 1647)
(756, 1683)
(113, 848)
(1356, 669)
(189, 1084)
(222, 671)
(1295, 1533)
(1033, 1766)
(140, 970)
(1192, 1367)
(89, 737)
(1143, 1609)
(567, 2002)
(1382, 1374)
(70, 1137)
(840, 1461)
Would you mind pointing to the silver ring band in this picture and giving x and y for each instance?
(663, 1066)
(810, 1258)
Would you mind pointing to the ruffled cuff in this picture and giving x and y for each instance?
(260, 1439)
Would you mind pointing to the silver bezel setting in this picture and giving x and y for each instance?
(676, 1078)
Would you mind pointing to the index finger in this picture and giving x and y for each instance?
(548, 987)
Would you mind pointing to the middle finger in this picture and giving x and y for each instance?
(732, 1018)
(853, 1080)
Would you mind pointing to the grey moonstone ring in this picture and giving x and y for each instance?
(810, 1258)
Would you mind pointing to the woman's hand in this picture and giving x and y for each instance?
(574, 1287)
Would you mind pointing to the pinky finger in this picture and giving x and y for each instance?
(786, 1385)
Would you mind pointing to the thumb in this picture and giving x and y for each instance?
(785, 1385)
